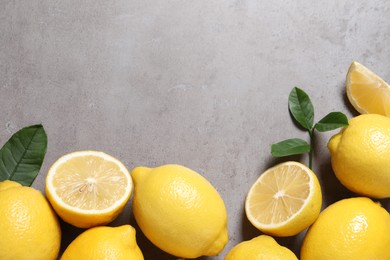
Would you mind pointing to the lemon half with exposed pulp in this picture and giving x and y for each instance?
(366, 91)
(284, 200)
(88, 188)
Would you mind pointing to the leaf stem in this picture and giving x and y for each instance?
(302, 111)
(311, 135)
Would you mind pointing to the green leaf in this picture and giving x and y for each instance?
(290, 147)
(332, 121)
(22, 156)
(301, 108)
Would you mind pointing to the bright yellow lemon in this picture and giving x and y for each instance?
(355, 228)
(262, 247)
(29, 228)
(360, 155)
(104, 243)
(179, 211)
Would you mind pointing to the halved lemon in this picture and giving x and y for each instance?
(366, 91)
(88, 188)
(284, 200)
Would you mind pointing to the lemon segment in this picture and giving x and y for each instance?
(366, 91)
(355, 228)
(88, 188)
(284, 200)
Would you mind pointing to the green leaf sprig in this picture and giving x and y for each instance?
(22, 155)
(302, 111)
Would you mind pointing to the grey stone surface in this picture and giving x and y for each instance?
(199, 83)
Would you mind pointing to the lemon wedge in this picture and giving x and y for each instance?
(366, 91)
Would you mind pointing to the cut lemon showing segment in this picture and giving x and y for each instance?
(88, 188)
(284, 200)
(366, 91)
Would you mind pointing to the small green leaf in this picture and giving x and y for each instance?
(290, 147)
(331, 121)
(301, 108)
(22, 156)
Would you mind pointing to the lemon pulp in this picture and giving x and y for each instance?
(88, 188)
(366, 91)
(284, 200)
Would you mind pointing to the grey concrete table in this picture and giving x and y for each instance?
(199, 83)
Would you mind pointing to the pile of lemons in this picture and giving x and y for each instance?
(181, 213)
(286, 199)
(176, 208)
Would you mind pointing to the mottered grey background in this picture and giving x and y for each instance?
(199, 83)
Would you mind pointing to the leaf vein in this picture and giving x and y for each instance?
(24, 152)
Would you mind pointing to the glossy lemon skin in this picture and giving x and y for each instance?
(29, 228)
(360, 155)
(355, 228)
(262, 247)
(179, 211)
(104, 243)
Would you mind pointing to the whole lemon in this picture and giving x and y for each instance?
(360, 155)
(355, 228)
(101, 243)
(29, 227)
(262, 247)
(179, 211)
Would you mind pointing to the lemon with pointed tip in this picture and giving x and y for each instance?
(360, 155)
(262, 247)
(103, 243)
(179, 211)
(29, 227)
(355, 228)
